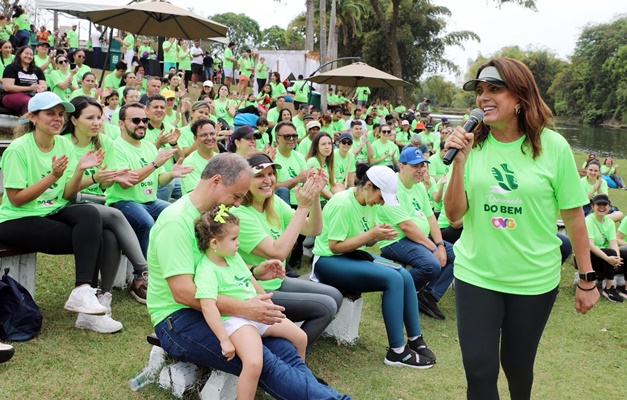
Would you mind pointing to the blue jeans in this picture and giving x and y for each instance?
(23, 36)
(186, 336)
(425, 267)
(399, 304)
(283, 193)
(142, 217)
(170, 190)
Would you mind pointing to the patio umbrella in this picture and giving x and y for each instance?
(358, 74)
(157, 18)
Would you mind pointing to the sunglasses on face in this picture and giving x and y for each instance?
(62, 62)
(386, 131)
(348, 142)
(80, 56)
(137, 120)
(289, 137)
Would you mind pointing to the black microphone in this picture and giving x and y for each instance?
(476, 116)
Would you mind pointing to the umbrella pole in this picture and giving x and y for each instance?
(106, 60)
(322, 66)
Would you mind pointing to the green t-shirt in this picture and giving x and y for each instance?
(332, 99)
(244, 65)
(414, 206)
(509, 242)
(130, 39)
(82, 71)
(428, 138)
(129, 156)
(273, 115)
(622, 228)
(221, 108)
(57, 77)
(112, 81)
(254, 227)
(587, 186)
(191, 179)
(228, 63)
(343, 165)
(443, 221)
(314, 164)
(343, 217)
(291, 167)
(436, 206)
(185, 62)
(112, 131)
(80, 92)
(6, 31)
(600, 233)
(605, 170)
(23, 22)
(403, 137)
(172, 250)
(72, 38)
(41, 61)
(24, 164)
(379, 148)
(400, 109)
(304, 146)
(5, 61)
(144, 49)
(170, 52)
(152, 134)
(107, 145)
(362, 156)
(362, 93)
(261, 71)
(338, 126)
(277, 89)
(437, 167)
(300, 126)
(301, 91)
(232, 281)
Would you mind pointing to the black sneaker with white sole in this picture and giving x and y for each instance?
(612, 295)
(408, 358)
(425, 307)
(419, 346)
(622, 292)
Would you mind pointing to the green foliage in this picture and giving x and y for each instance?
(273, 38)
(243, 30)
(438, 90)
(594, 86)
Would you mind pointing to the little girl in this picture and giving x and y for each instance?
(223, 272)
(111, 105)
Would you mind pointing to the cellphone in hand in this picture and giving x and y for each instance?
(72, 65)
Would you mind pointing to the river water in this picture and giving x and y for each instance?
(586, 139)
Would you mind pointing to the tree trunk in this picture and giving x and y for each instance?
(389, 30)
(323, 50)
(332, 48)
(309, 25)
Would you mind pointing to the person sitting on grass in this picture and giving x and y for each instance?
(594, 185)
(604, 252)
(222, 271)
(608, 170)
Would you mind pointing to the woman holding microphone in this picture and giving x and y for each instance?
(508, 181)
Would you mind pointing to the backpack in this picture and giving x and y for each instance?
(20, 318)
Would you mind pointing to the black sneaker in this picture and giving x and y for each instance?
(622, 292)
(290, 272)
(408, 358)
(424, 306)
(433, 304)
(419, 346)
(612, 295)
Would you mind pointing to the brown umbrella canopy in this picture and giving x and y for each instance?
(157, 18)
(358, 74)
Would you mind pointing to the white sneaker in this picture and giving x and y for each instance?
(105, 299)
(83, 300)
(98, 323)
(6, 352)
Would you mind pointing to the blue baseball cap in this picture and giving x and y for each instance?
(47, 100)
(412, 155)
(345, 136)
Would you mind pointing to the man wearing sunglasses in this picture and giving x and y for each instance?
(138, 202)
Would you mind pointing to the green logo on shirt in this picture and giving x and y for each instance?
(292, 173)
(416, 204)
(143, 162)
(244, 281)
(505, 178)
(364, 224)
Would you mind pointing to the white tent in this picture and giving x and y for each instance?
(287, 62)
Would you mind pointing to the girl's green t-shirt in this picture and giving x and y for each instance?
(509, 243)
(600, 233)
(106, 144)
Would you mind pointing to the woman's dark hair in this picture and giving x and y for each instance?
(593, 162)
(109, 96)
(277, 76)
(313, 152)
(534, 114)
(206, 227)
(2, 43)
(87, 74)
(73, 55)
(80, 103)
(281, 113)
(361, 176)
(123, 78)
(18, 61)
(261, 121)
(137, 67)
(268, 204)
(126, 91)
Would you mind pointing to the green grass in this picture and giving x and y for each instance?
(579, 356)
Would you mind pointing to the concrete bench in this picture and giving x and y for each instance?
(22, 266)
(178, 377)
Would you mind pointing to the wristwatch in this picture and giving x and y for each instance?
(590, 276)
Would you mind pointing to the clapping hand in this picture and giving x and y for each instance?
(126, 177)
(91, 158)
(59, 165)
(179, 170)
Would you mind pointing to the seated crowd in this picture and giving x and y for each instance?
(212, 202)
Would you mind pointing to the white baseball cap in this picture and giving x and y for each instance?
(385, 179)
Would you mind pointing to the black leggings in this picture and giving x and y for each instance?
(602, 267)
(487, 319)
(75, 229)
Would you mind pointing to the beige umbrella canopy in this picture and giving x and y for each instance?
(358, 74)
(157, 18)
